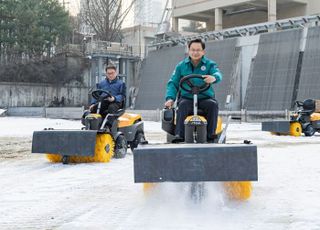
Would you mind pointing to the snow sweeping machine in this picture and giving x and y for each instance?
(99, 140)
(305, 119)
(195, 160)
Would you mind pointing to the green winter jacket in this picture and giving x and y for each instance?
(184, 68)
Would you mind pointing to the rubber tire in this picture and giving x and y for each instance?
(104, 151)
(121, 147)
(309, 131)
(275, 133)
(65, 160)
(295, 129)
(238, 190)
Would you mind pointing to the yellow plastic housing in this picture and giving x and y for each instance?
(315, 117)
(128, 119)
(94, 115)
(194, 118)
(219, 125)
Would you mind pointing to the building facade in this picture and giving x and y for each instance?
(220, 14)
(147, 12)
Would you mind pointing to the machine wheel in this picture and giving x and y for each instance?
(65, 159)
(121, 147)
(238, 190)
(138, 139)
(309, 131)
(104, 151)
(295, 129)
(275, 133)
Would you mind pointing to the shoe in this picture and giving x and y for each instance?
(212, 139)
(177, 139)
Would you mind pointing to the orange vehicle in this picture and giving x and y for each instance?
(305, 119)
(99, 140)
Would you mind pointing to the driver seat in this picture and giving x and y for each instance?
(112, 118)
(308, 105)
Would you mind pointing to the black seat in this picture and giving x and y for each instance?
(308, 106)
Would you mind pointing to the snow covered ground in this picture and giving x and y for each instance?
(36, 194)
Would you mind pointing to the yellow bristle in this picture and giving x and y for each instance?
(295, 129)
(147, 187)
(239, 190)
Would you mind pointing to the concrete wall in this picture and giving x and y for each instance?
(244, 19)
(138, 38)
(294, 11)
(183, 7)
(254, 17)
(28, 94)
(51, 112)
(313, 7)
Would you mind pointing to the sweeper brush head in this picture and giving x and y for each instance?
(147, 187)
(295, 129)
(104, 151)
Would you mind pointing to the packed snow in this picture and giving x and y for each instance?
(36, 194)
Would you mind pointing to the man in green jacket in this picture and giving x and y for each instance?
(196, 63)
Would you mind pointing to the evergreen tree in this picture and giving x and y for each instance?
(29, 29)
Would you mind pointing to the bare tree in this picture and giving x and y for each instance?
(105, 17)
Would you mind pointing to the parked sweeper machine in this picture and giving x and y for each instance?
(99, 140)
(196, 160)
(305, 119)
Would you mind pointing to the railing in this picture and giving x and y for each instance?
(70, 48)
(98, 47)
(104, 47)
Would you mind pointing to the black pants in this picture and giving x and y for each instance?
(208, 106)
(107, 107)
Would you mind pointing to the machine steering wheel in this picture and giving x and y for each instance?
(194, 89)
(100, 94)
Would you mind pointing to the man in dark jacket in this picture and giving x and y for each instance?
(196, 63)
(115, 87)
